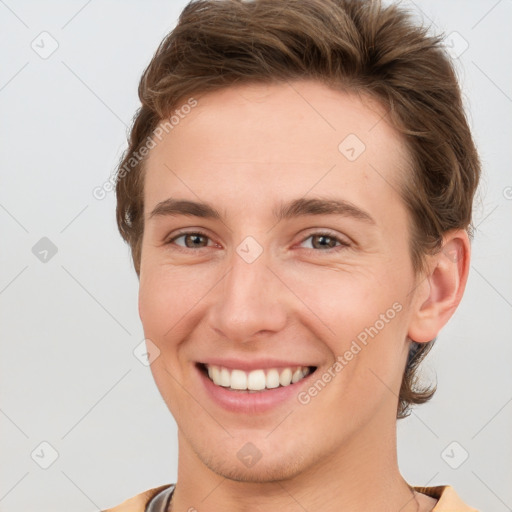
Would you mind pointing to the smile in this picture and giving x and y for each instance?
(256, 380)
(253, 387)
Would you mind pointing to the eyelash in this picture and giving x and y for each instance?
(342, 244)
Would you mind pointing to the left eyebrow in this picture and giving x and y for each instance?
(321, 206)
(295, 208)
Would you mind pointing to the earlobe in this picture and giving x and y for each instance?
(440, 293)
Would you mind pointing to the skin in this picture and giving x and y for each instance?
(244, 149)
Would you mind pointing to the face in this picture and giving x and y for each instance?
(297, 260)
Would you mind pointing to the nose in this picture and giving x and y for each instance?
(250, 301)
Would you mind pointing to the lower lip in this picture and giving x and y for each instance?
(255, 402)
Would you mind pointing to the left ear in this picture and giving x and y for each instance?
(441, 290)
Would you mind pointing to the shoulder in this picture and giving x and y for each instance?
(448, 499)
(139, 502)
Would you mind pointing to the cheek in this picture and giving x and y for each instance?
(162, 308)
(171, 298)
(361, 317)
(344, 300)
(159, 307)
(151, 303)
(373, 353)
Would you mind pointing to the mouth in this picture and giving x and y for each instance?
(261, 380)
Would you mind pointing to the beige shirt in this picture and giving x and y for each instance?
(157, 500)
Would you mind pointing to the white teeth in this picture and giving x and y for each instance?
(272, 380)
(238, 379)
(224, 378)
(297, 375)
(256, 380)
(215, 376)
(285, 377)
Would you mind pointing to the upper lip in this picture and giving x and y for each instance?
(253, 364)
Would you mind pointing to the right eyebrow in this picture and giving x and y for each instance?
(173, 207)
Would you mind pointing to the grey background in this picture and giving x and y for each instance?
(69, 325)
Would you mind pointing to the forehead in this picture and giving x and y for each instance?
(277, 140)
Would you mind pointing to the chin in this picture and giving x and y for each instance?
(281, 468)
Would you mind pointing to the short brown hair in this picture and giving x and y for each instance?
(359, 46)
